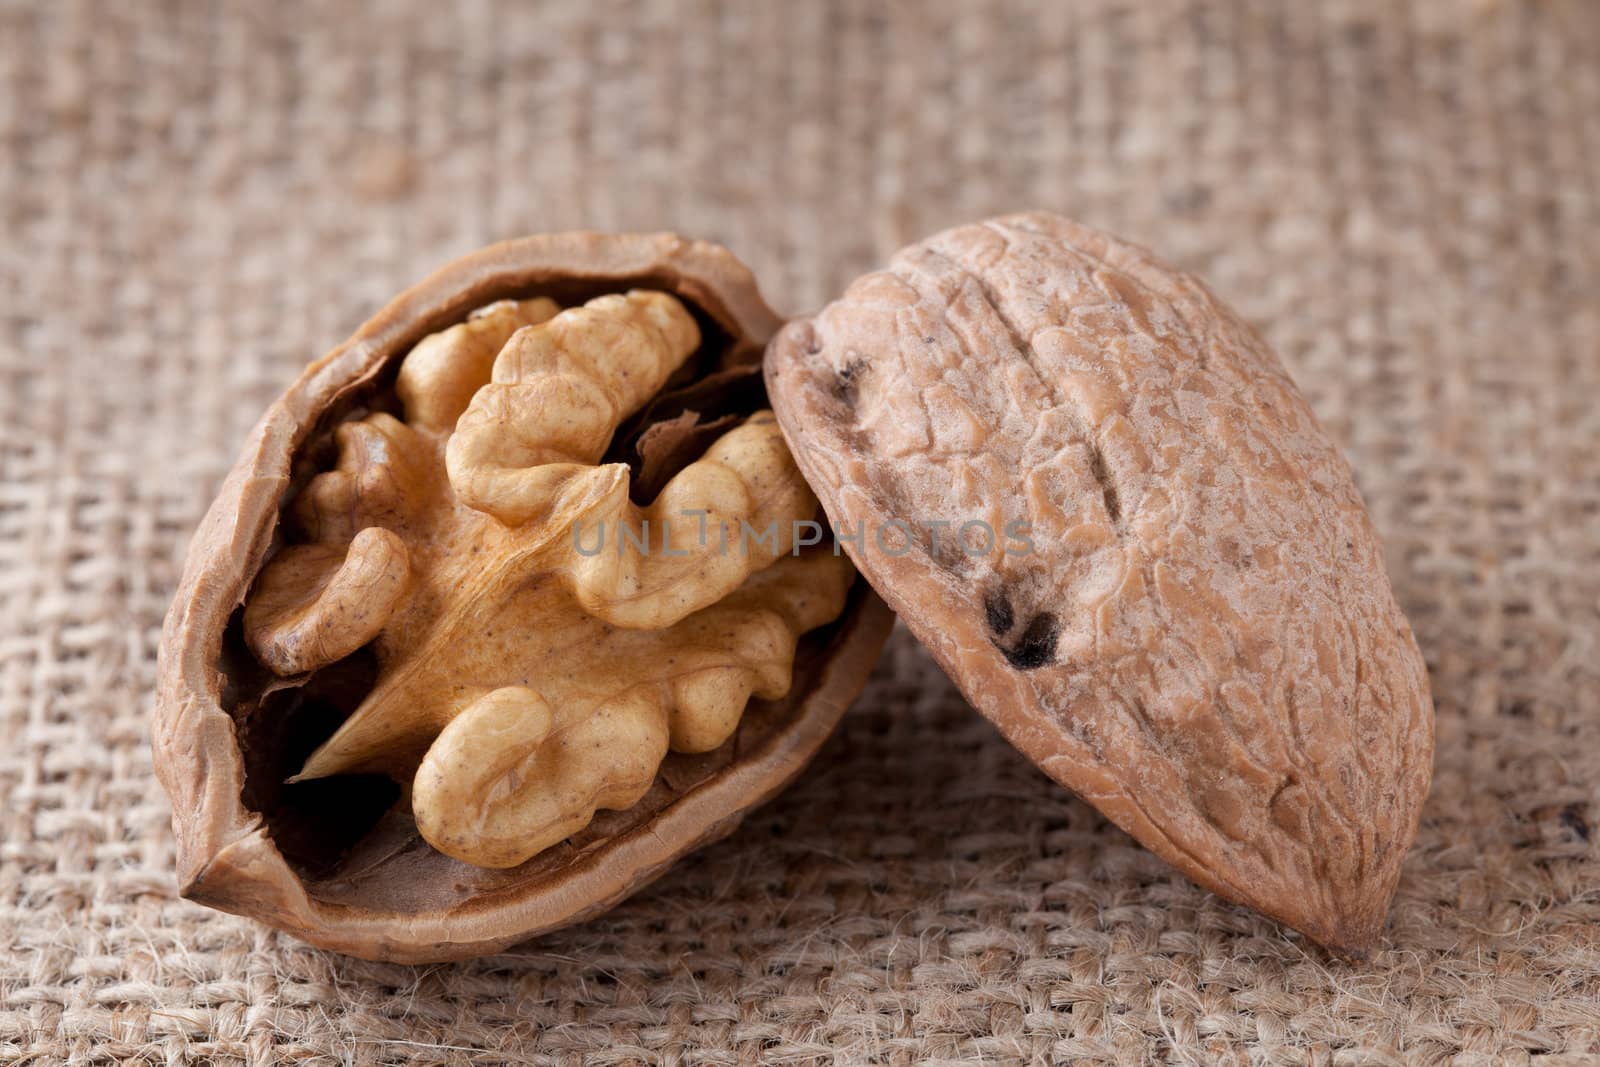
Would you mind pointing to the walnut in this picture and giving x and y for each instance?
(1193, 628)
(533, 621)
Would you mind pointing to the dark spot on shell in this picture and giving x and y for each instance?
(998, 609)
(847, 380)
(1037, 645)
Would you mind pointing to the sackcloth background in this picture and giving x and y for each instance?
(1405, 198)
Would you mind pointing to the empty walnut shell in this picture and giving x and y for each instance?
(338, 861)
(1155, 575)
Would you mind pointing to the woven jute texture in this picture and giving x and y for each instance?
(1404, 197)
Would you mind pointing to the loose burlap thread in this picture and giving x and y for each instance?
(1404, 197)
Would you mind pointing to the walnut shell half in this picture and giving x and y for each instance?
(1155, 572)
(245, 699)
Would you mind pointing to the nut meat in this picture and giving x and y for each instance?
(542, 680)
(467, 627)
(1195, 632)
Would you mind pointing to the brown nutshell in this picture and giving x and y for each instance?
(1133, 548)
(399, 714)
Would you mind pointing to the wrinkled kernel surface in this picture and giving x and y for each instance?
(524, 683)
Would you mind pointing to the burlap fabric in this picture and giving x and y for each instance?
(1406, 198)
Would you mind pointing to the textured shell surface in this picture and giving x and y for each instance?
(1133, 547)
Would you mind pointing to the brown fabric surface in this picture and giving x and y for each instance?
(1406, 199)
